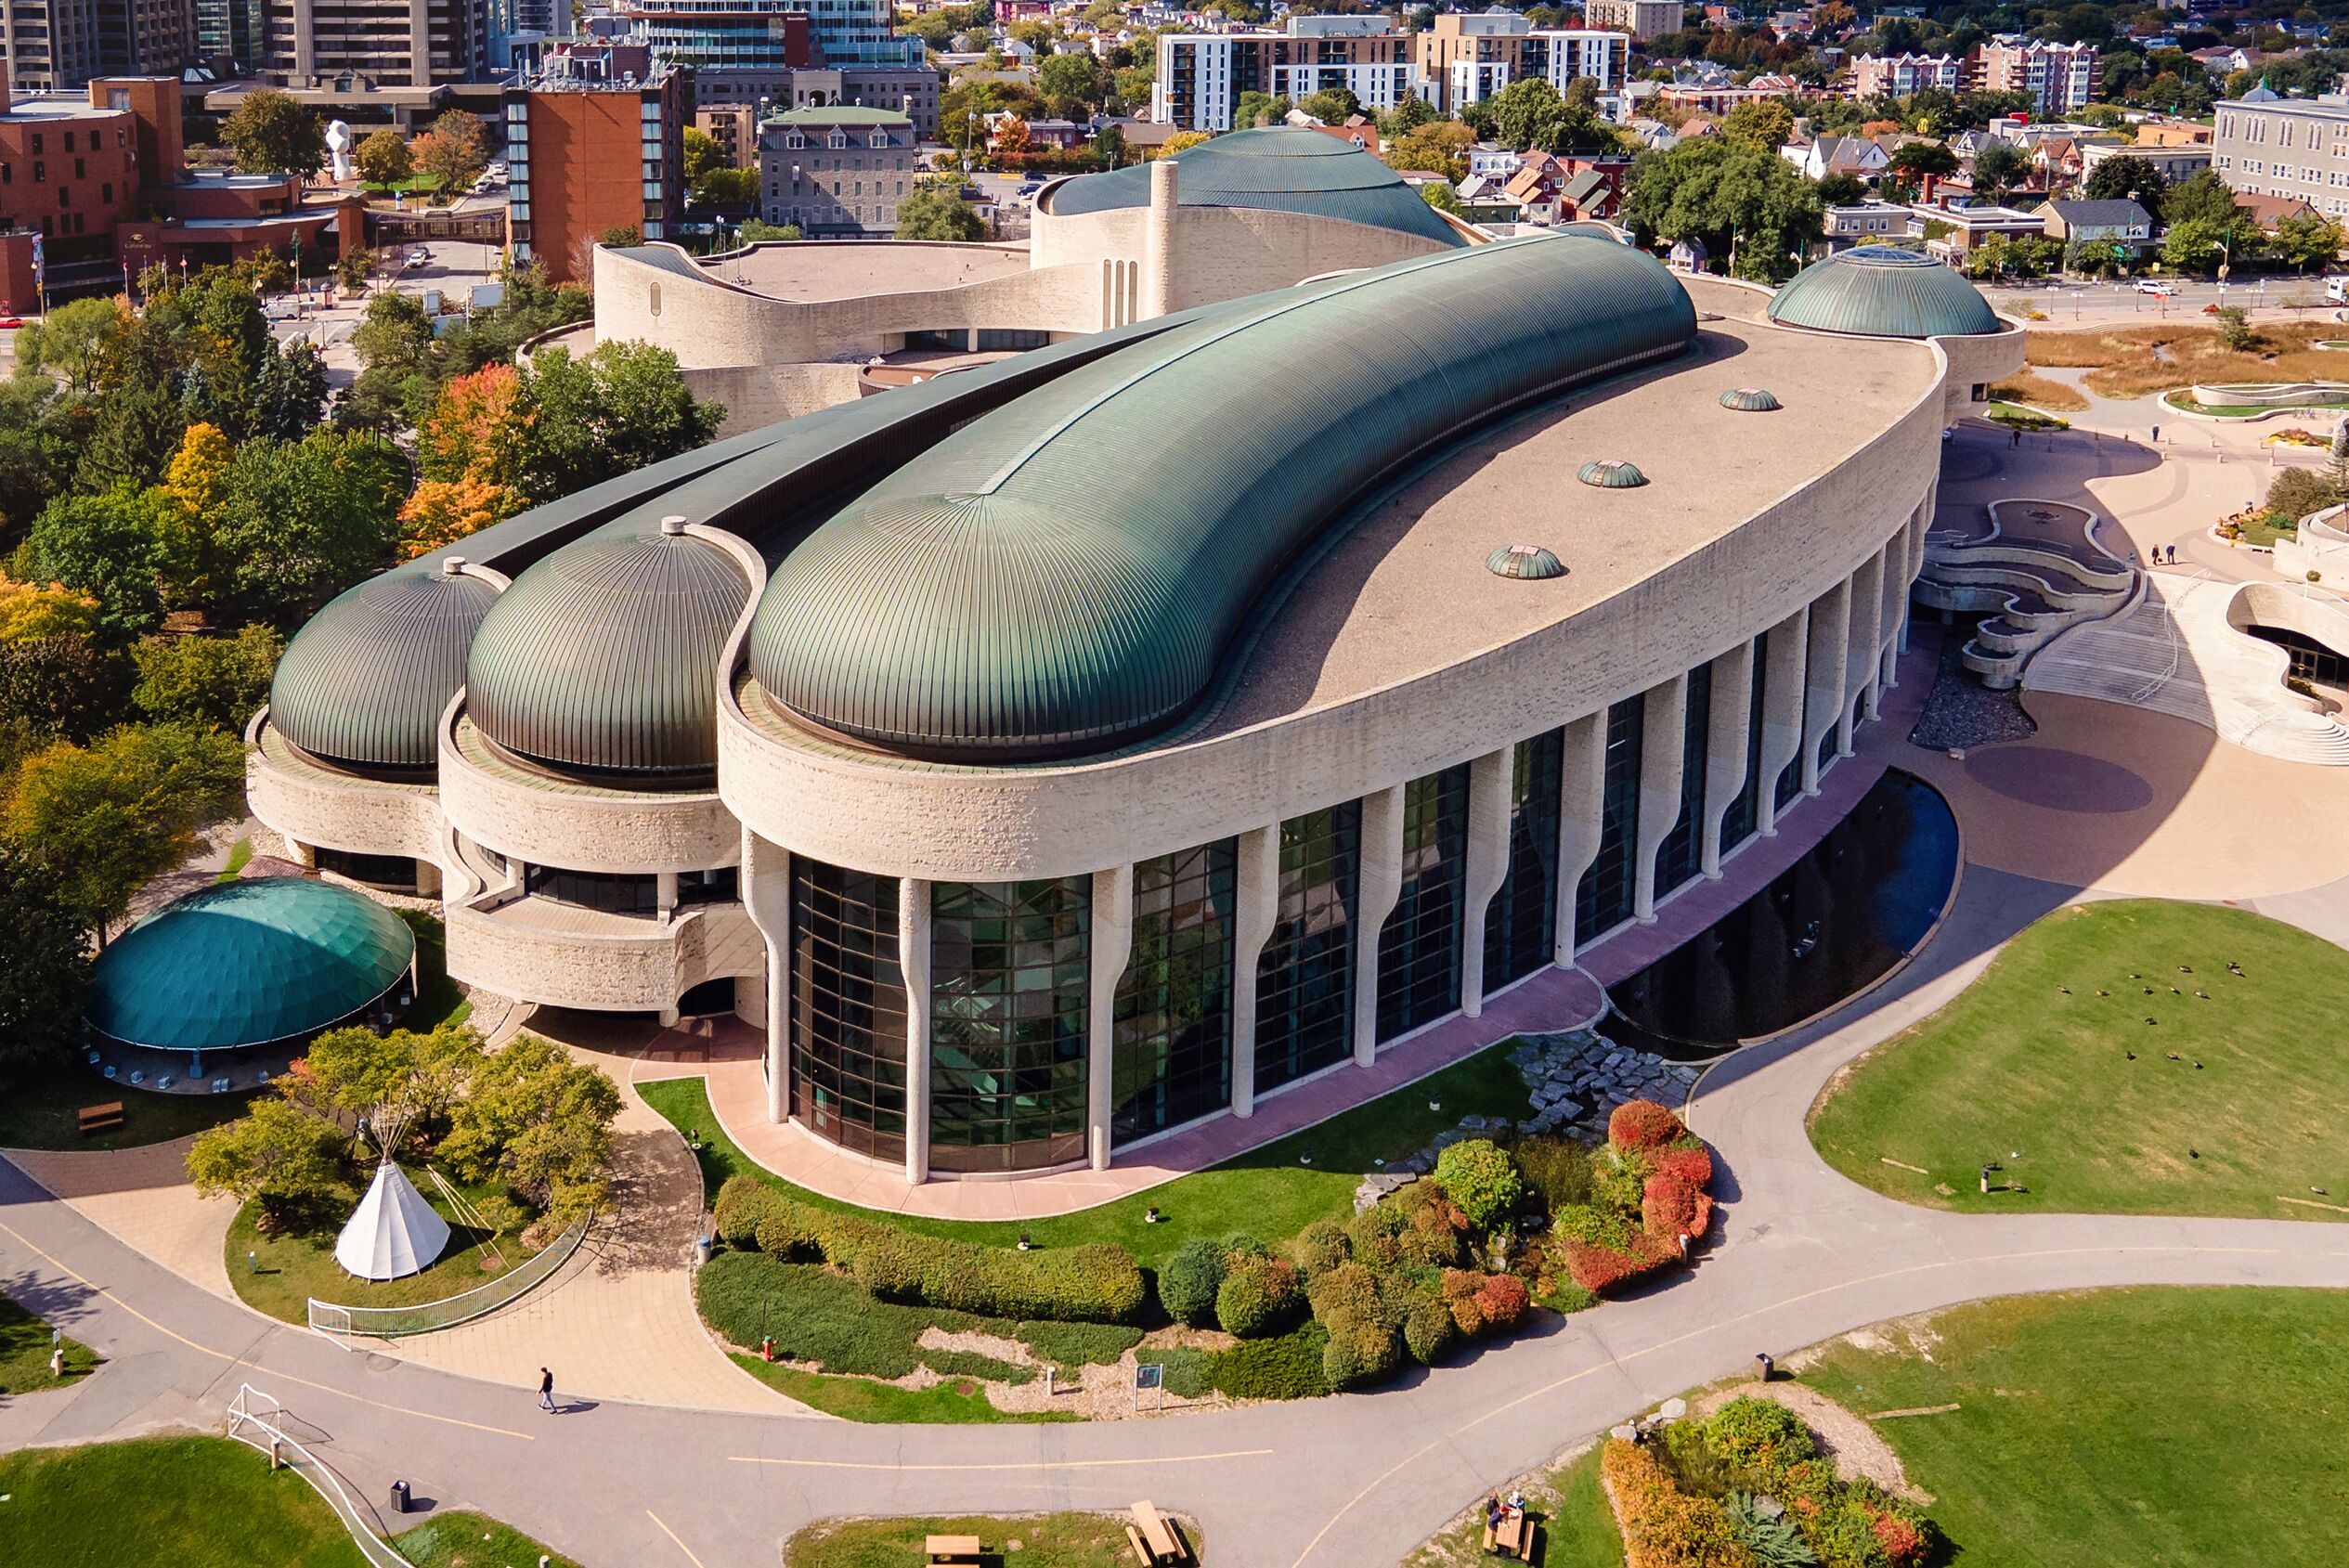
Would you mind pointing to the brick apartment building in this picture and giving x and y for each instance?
(595, 141)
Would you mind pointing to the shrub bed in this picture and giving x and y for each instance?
(1646, 1201)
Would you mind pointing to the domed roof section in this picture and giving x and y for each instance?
(1283, 168)
(247, 963)
(365, 681)
(605, 656)
(1884, 292)
(1531, 562)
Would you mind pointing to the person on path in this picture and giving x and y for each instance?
(546, 1391)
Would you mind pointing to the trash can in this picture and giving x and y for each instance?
(399, 1496)
(701, 1250)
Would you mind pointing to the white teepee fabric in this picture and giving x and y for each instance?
(394, 1233)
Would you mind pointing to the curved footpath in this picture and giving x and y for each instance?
(1356, 1480)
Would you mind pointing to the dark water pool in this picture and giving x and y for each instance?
(1824, 929)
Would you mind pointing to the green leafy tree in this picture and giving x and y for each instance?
(289, 392)
(382, 157)
(41, 431)
(1529, 115)
(2203, 197)
(300, 521)
(103, 820)
(2306, 240)
(596, 418)
(47, 972)
(1441, 197)
(1478, 1176)
(1767, 124)
(539, 1121)
(394, 340)
(727, 187)
(1253, 109)
(206, 683)
(289, 1160)
(350, 1072)
(932, 214)
(137, 428)
(1331, 106)
(702, 153)
(1999, 167)
(271, 134)
(109, 546)
(1071, 85)
(2125, 179)
(58, 688)
(1741, 202)
(756, 231)
(1842, 191)
(73, 340)
(2193, 246)
(1913, 160)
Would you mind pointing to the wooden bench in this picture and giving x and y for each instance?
(1157, 1538)
(1513, 1538)
(1141, 1552)
(97, 1119)
(951, 1550)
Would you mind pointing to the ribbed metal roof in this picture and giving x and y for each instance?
(1283, 168)
(1750, 399)
(1531, 562)
(365, 681)
(245, 963)
(1068, 571)
(605, 654)
(1612, 473)
(1883, 291)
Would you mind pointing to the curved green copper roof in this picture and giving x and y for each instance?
(1530, 562)
(1883, 291)
(1282, 168)
(246, 962)
(1611, 474)
(1068, 571)
(365, 681)
(605, 654)
(1750, 400)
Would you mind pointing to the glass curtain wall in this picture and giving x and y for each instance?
(1602, 898)
(1171, 1059)
(1790, 776)
(847, 1008)
(1676, 857)
(1009, 978)
(1521, 928)
(1304, 978)
(1737, 822)
(1420, 943)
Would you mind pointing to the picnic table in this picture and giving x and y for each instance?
(97, 1119)
(1514, 1536)
(951, 1550)
(1153, 1536)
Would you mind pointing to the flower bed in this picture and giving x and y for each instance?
(1748, 1486)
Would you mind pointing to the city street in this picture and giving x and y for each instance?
(2066, 302)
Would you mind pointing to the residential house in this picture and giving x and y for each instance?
(1866, 223)
(1856, 156)
(2173, 163)
(2117, 223)
(2270, 211)
(1951, 231)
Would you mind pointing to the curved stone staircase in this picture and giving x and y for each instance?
(2030, 590)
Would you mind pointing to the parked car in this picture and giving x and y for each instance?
(2154, 286)
(10, 322)
(419, 260)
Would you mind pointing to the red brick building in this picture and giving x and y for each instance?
(594, 142)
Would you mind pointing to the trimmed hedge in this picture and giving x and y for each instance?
(1079, 1344)
(1287, 1367)
(1188, 1280)
(1477, 1174)
(1671, 1207)
(1094, 1284)
(1190, 1373)
(1258, 1297)
(1643, 1124)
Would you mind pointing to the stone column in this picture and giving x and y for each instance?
(303, 855)
(765, 885)
(1830, 625)
(1894, 611)
(1582, 793)
(1663, 750)
(1158, 240)
(1488, 785)
(1867, 601)
(1785, 648)
(427, 878)
(913, 962)
(1256, 906)
(1381, 885)
(1727, 736)
(665, 893)
(1113, 945)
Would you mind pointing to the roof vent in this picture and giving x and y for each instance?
(1530, 562)
(452, 565)
(673, 523)
(1611, 474)
(1749, 400)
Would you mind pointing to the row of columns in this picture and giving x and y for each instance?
(1824, 668)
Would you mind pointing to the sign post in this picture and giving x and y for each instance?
(1149, 1375)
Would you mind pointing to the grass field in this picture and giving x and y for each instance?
(472, 1540)
(1578, 1528)
(2039, 391)
(1049, 1540)
(24, 1353)
(296, 1265)
(1268, 1192)
(2133, 361)
(2226, 1104)
(2156, 1428)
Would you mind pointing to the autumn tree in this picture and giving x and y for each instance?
(206, 683)
(383, 158)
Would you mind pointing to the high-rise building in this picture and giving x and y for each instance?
(1895, 76)
(2059, 77)
(1200, 76)
(383, 43)
(2297, 148)
(771, 34)
(1640, 19)
(595, 142)
(1464, 60)
(231, 32)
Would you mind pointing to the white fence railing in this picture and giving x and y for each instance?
(258, 1421)
(396, 1322)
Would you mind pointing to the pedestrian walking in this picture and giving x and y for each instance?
(546, 1391)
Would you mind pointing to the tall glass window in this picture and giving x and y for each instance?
(847, 1008)
(1420, 944)
(1521, 928)
(1676, 857)
(1304, 978)
(1737, 822)
(1602, 898)
(1171, 1059)
(1009, 992)
(1790, 776)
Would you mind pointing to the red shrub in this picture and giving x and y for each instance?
(1671, 1207)
(1902, 1542)
(1643, 1124)
(1599, 1268)
(1693, 1166)
(1503, 1300)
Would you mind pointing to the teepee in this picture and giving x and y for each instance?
(393, 1232)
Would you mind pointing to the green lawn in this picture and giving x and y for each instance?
(1049, 1540)
(1269, 1193)
(958, 1401)
(38, 1110)
(24, 1353)
(1578, 1528)
(2156, 1428)
(296, 1265)
(2032, 1068)
(472, 1540)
